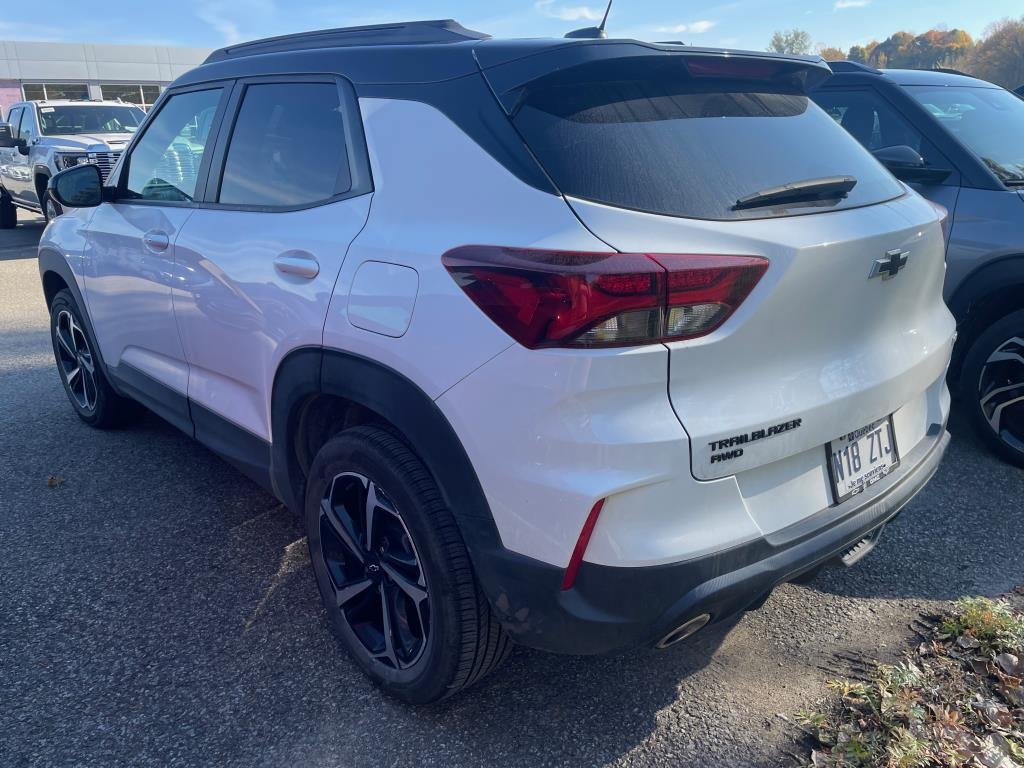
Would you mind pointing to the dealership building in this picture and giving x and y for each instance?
(132, 73)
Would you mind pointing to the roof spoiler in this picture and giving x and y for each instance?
(509, 78)
(400, 33)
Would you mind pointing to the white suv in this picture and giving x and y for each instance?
(579, 344)
(42, 138)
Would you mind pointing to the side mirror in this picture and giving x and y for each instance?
(6, 136)
(78, 187)
(22, 146)
(906, 164)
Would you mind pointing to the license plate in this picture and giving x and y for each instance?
(861, 458)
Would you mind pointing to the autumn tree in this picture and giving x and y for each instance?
(999, 57)
(831, 53)
(795, 41)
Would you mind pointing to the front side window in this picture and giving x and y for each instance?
(164, 165)
(14, 119)
(874, 122)
(287, 148)
(89, 118)
(989, 121)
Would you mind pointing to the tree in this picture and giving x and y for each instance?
(861, 53)
(795, 41)
(999, 57)
(831, 53)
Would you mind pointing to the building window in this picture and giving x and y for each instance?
(143, 95)
(45, 91)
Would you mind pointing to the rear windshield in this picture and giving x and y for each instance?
(653, 138)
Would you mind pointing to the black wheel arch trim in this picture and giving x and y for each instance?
(314, 371)
(987, 278)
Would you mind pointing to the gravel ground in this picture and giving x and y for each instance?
(157, 608)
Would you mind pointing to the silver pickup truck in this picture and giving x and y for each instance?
(41, 138)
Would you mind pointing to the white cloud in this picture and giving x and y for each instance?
(223, 17)
(841, 4)
(568, 12)
(694, 28)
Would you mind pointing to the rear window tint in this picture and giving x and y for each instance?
(671, 144)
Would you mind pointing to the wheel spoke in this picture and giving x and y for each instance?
(89, 389)
(1011, 351)
(342, 531)
(64, 342)
(373, 501)
(389, 635)
(415, 592)
(70, 375)
(352, 590)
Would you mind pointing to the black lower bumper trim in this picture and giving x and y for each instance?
(611, 608)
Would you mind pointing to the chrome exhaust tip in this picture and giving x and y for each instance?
(683, 631)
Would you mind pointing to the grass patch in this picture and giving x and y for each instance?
(956, 701)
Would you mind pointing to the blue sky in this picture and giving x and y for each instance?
(736, 23)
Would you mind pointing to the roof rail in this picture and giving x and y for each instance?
(949, 71)
(399, 33)
(852, 66)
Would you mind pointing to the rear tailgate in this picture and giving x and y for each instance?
(681, 151)
(819, 348)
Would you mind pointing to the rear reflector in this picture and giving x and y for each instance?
(545, 298)
(581, 547)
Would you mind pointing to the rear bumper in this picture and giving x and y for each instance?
(611, 608)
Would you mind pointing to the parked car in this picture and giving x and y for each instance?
(959, 141)
(579, 344)
(41, 138)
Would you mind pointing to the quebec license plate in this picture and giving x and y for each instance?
(861, 458)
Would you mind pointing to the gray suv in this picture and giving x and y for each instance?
(958, 141)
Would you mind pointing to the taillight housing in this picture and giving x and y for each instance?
(547, 298)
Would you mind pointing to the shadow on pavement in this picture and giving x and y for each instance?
(21, 242)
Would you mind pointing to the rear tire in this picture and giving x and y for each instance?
(8, 212)
(992, 387)
(80, 369)
(399, 590)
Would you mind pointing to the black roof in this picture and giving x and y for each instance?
(422, 52)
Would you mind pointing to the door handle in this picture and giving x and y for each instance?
(156, 240)
(298, 263)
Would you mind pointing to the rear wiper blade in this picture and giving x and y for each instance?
(811, 190)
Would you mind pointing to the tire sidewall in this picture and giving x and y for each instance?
(355, 451)
(977, 356)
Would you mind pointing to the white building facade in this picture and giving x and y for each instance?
(132, 73)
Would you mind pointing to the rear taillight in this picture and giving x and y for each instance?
(545, 298)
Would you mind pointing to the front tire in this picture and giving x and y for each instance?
(8, 211)
(992, 386)
(393, 572)
(81, 372)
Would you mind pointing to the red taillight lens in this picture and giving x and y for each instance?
(570, 299)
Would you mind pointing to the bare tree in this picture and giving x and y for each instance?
(795, 41)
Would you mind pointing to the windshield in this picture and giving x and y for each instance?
(89, 118)
(651, 136)
(989, 121)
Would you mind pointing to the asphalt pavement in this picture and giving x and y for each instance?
(157, 608)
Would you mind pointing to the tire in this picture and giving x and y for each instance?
(8, 212)
(992, 387)
(443, 636)
(80, 369)
(51, 208)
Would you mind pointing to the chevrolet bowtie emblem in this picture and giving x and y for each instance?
(890, 266)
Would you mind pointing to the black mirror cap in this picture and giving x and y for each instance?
(907, 164)
(78, 187)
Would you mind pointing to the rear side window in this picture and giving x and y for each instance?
(653, 138)
(287, 148)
